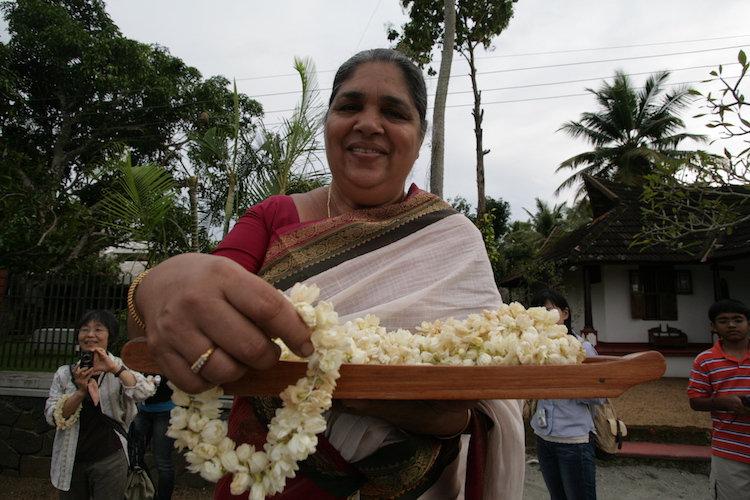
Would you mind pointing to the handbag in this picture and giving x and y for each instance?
(610, 430)
(139, 485)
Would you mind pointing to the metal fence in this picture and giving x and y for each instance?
(38, 315)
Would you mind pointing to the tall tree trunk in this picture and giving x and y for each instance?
(229, 207)
(441, 95)
(193, 190)
(480, 152)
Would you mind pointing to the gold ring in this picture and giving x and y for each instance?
(202, 360)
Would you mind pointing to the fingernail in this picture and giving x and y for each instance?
(307, 349)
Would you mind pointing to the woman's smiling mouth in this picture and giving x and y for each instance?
(368, 151)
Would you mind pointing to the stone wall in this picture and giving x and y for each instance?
(25, 437)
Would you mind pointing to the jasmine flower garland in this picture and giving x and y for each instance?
(60, 421)
(511, 335)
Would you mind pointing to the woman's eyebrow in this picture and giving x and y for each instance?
(357, 95)
(351, 94)
(394, 100)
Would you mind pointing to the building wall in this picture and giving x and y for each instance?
(610, 302)
(611, 312)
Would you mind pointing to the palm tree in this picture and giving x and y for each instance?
(220, 147)
(546, 219)
(286, 157)
(141, 205)
(634, 131)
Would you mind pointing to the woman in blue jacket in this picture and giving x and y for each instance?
(563, 427)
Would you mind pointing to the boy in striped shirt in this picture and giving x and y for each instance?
(720, 383)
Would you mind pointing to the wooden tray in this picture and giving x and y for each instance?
(597, 377)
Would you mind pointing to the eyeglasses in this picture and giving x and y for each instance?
(725, 321)
(97, 331)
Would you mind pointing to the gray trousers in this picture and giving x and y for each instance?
(99, 479)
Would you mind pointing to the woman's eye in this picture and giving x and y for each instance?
(348, 107)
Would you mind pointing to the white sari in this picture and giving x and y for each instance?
(437, 272)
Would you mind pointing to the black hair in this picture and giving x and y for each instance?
(727, 306)
(412, 75)
(104, 317)
(557, 299)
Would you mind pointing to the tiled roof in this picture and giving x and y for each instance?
(618, 218)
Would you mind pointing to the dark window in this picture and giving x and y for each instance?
(684, 284)
(653, 293)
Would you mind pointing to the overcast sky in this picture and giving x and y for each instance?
(532, 82)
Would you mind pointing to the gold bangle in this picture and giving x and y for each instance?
(466, 426)
(131, 300)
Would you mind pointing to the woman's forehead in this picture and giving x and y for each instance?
(380, 77)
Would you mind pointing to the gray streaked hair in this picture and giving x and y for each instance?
(412, 75)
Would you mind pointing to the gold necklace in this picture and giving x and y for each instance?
(328, 205)
(315, 202)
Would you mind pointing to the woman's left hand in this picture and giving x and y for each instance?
(102, 361)
(434, 418)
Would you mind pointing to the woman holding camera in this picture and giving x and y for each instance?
(89, 458)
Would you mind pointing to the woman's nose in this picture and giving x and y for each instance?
(369, 122)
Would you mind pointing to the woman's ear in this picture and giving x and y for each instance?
(565, 314)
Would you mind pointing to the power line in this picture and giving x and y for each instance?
(547, 84)
(481, 73)
(481, 58)
(611, 60)
(616, 47)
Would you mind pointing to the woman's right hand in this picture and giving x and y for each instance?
(193, 302)
(81, 377)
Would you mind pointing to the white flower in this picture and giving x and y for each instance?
(214, 431)
(231, 463)
(240, 483)
(211, 470)
(178, 418)
(258, 462)
(205, 450)
(196, 422)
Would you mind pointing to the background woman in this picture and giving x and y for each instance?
(89, 458)
(152, 421)
(371, 248)
(563, 427)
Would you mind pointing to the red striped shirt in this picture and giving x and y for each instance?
(718, 374)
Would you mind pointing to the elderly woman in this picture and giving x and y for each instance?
(372, 248)
(89, 458)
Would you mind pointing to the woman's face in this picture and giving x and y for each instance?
(93, 334)
(372, 136)
(563, 314)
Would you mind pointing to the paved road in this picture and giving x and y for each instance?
(630, 482)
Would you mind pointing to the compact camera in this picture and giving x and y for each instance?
(87, 359)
